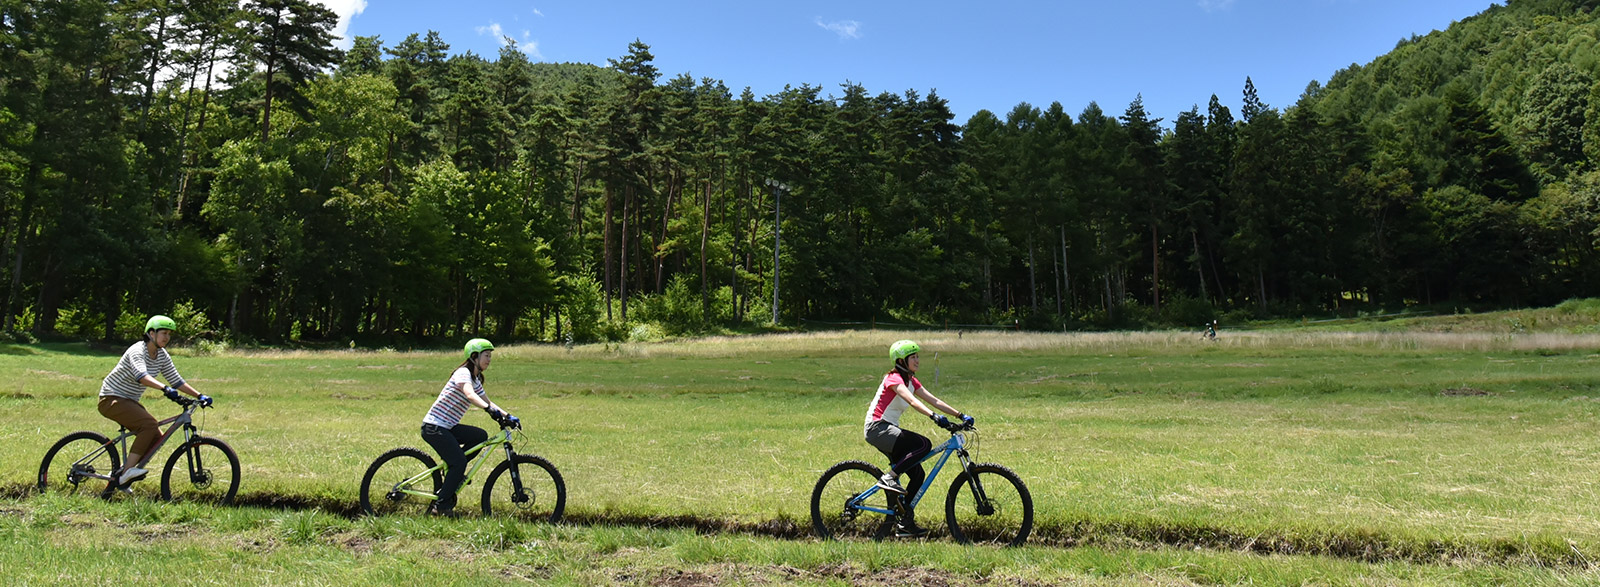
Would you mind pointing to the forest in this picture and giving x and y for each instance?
(224, 163)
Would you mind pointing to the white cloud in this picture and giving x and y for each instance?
(346, 9)
(492, 30)
(531, 48)
(537, 13)
(848, 29)
(1215, 5)
(526, 45)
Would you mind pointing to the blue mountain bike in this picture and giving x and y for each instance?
(987, 503)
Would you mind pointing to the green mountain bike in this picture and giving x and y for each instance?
(406, 480)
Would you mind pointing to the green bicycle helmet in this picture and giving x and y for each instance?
(903, 349)
(159, 322)
(475, 346)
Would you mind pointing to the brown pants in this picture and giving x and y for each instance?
(134, 417)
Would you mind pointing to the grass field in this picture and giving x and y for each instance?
(1268, 456)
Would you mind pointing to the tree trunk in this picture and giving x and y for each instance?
(1261, 281)
(577, 203)
(607, 255)
(18, 234)
(48, 306)
(1199, 267)
(205, 103)
(705, 235)
(1066, 270)
(155, 65)
(1033, 283)
(1155, 267)
(266, 108)
(622, 281)
(1056, 265)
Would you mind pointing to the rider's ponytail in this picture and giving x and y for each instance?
(905, 373)
(472, 369)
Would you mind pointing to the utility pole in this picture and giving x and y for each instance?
(777, 241)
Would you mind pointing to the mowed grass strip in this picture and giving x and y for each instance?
(1433, 447)
(52, 540)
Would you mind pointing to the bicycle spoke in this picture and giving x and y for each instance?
(835, 509)
(1002, 515)
(527, 488)
(384, 489)
(204, 470)
(78, 464)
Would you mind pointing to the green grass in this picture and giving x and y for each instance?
(1576, 316)
(78, 540)
(1259, 449)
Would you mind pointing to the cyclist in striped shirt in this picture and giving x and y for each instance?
(125, 385)
(442, 428)
(905, 449)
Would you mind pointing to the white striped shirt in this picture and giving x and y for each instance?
(452, 403)
(123, 381)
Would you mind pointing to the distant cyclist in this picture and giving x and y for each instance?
(904, 448)
(442, 428)
(124, 386)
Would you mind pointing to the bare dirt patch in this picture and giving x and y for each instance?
(680, 578)
(923, 576)
(354, 543)
(1463, 392)
(158, 533)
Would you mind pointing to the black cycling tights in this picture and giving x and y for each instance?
(909, 448)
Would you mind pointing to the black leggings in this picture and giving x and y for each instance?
(906, 459)
(449, 442)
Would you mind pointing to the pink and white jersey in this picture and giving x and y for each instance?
(452, 403)
(888, 405)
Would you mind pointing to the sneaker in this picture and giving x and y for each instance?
(909, 530)
(130, 475)
(891, 483)
(448, 511)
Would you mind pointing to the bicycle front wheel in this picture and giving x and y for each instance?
(69, 466)
(836, 514)
(988, 504)
(203, 470)
(384, 489)
(525, 487)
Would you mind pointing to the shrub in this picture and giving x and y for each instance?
(584, 306)
(1186, 312)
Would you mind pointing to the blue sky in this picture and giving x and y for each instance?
(977, 55)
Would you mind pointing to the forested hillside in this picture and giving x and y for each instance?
(226, 163)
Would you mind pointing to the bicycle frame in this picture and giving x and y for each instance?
(184, 420)
(482, 449)
(956, 445)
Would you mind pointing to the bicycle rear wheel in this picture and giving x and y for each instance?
(1004, 516)
(382, 490)
(203, 470)
(67, 466)
(534, 491)
(832, 515)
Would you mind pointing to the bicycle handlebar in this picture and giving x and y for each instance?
(955, 427)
